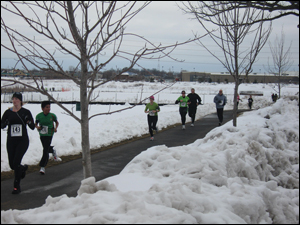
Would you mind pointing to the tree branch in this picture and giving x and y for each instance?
(139, 103)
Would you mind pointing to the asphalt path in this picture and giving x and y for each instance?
(65, 178)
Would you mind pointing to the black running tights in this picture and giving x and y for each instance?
(152, 121)
(192, 113)
(16, 149)
(46, 142)
(183, 112)
(220, 114)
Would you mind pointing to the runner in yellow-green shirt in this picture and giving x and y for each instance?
(152, 108)
(183, 101)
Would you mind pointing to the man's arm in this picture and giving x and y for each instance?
(199, 99)
(56, 125)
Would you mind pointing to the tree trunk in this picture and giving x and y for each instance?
(279, 80)
(236, 76)
(234, 116)
(85, 140)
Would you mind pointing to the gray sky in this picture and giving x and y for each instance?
(165, 23)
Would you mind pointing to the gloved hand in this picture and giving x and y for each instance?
(28, 119)
(4, 124)
(224, 103)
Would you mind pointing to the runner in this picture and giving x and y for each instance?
(250, 101)
(195, 101)
(152, 108)
(238, 101)
(183, 101)
(220, 101)
(16, 118)
(46, 129)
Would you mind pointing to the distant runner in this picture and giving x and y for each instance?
(183, 101)
(46, 129)
(220, 101)
(152, 109)
(250, 101)
(195, 101)
(238, 99)
(16, 118)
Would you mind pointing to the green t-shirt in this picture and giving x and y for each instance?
(184, 101)
(47, 123)
(154, 106)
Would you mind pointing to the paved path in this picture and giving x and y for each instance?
(65, 178)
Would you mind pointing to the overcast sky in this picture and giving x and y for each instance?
(165, 23)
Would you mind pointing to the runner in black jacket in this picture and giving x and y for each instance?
(195, 101)
(16, 118)
(250, 101)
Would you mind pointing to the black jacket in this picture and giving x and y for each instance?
(194, 98)
(16, 122)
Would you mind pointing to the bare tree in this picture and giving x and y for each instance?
(282, 60)
(80, 30)
(272, 9)
(234, 32)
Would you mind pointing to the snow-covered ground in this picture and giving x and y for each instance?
(243, 174)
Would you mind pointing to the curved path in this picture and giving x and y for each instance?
(65, 178)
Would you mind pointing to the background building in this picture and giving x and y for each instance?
(289, 77)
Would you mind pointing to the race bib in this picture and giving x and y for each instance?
(183, 104)
(44, 130)
(16, 130)
(151, 113)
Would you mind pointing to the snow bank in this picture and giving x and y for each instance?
(244, 174)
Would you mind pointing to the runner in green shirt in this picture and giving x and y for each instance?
(152, 108)
(183, 101)
(45, 125)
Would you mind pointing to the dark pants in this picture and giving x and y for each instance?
(46, 142)
(250, 105)
(16, 149)
(220, 114)
(192, 113)
(152, 120)
(183, 112)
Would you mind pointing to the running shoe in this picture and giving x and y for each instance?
(183, 127)
(192, 124)
(42, 170)
(16, 190)
(152, 138)
(56, 158)
(24, 168)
